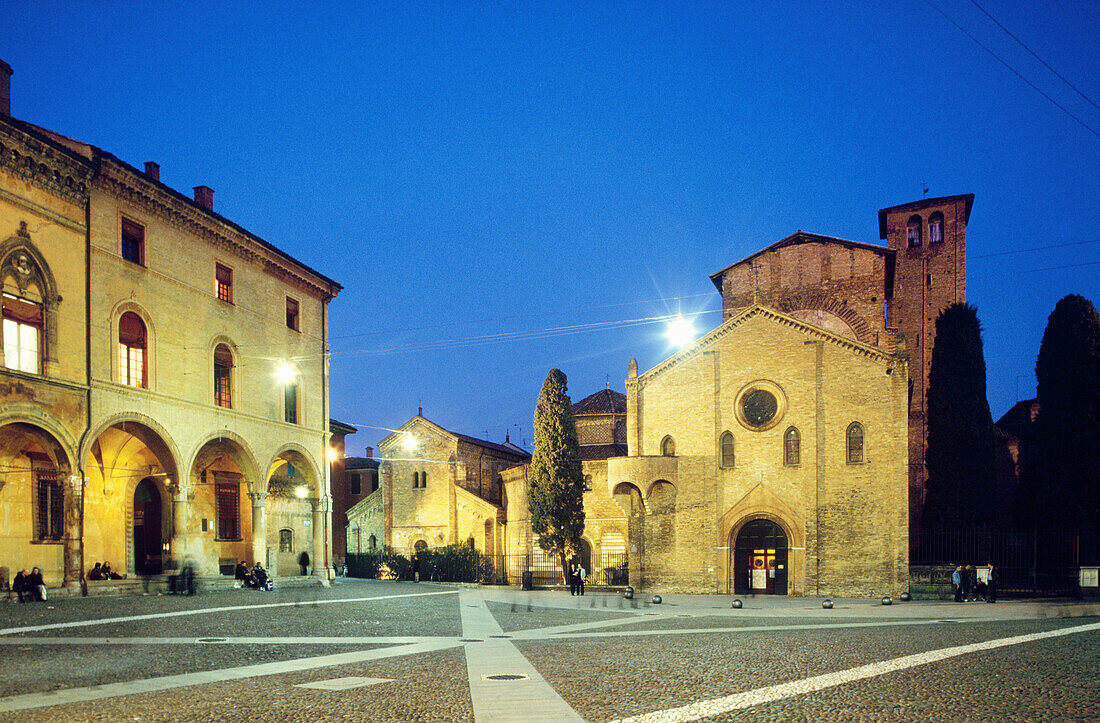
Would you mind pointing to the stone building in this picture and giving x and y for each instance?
(144, 416)
(870, 293)
(436, 488)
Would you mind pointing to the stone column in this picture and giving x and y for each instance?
(320, 550)
(181, 508)
(71, 502)
(259, 528)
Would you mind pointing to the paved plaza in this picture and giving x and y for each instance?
(385, 651)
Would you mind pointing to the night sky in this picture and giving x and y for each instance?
(502, 190)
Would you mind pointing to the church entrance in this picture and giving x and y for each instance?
(148, 539)
(760, 559)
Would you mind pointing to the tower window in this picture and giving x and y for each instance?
(855, 443)
(913, 231)
(133, 242)
(792, 448)
(727, 450)
(668, 447)
(935, 228)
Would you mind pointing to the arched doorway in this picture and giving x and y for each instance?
(148, 529)
(583, 555)
(760, 559)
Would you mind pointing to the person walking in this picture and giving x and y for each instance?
(991, 584)
(957, 582)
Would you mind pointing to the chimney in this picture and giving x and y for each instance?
(370, 452)
(5, 88)
(152, 169)
(204, 196)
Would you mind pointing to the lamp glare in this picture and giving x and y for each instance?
(680, 331)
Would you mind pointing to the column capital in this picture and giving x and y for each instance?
(257, 497)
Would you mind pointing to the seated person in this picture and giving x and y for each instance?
(109, 574)
(35, 586)
(242, 573)
(19, 585)
(259, 576)
(97, 572)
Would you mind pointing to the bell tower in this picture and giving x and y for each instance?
(928, 238)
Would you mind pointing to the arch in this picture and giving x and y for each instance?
(225, 443)
(854, 442)
(372, 541)
(583, 555)
(827, 311)
(662, 497)
(726, 450)
(144, 428)
(792, 447)
(913, 231)
(302, 460)
(118, 311)
(629, 498)
(419, 546)
(760, 548)
(668, 446)
(44, 429)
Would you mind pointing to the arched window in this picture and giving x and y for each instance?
(668, 447)
(132, 362)
(470, 542)
(935, 228)
(912, 231)
(223, 376)
(423, 480)
(727, 450)
(855, 443)
(22, 334)
(416, 480)
(792, 443)
(286, 540)
(372, 541)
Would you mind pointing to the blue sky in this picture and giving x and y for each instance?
(476, 174)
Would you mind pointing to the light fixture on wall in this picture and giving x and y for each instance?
(409, 443)
(301, 492)
(285, 372)
(332, 454)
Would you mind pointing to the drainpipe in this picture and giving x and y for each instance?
(87, 375)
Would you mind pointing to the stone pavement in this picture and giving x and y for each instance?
(400, 651)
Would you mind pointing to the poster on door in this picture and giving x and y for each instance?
(759, 579)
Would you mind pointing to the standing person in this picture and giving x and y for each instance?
(991, 584)
(416, 568)
(957, 582)
(303, 562)
(968, 583)
(581, 575)
(572, 578)
(35, 585)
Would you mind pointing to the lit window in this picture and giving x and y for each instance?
(792, 442)
(286, 540)
(223, 376)
(131, 351)
(291, 314)
(727, 450)
(49, 505)
(935, 228)
(855, 443)
(912, 231)
(22, 331)
(223, 282)
(133, 242)
(228, 498)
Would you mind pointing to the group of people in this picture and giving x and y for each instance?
(256, 578)
(103, 571)
(577, 574)
(969, 587)
(29, 586)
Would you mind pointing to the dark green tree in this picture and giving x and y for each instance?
(556, 486)
(1066, 492)
(961, 488)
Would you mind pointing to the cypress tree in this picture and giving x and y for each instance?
(961, 485)
(1068, 426)
(556, 486)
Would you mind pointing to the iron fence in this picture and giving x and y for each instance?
(609, 569)
(1030, 563)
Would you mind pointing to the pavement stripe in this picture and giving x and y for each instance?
(113, 690)
(204, 611)
(528, 699)
(751, 698)
(566, 632)
(214, 640)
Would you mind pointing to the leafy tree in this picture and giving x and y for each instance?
(961, 485)
(557, 482)
(1067, 488)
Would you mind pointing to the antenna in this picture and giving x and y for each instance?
(924, 185)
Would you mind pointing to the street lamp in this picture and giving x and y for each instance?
(680, 331)
(285, 373)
